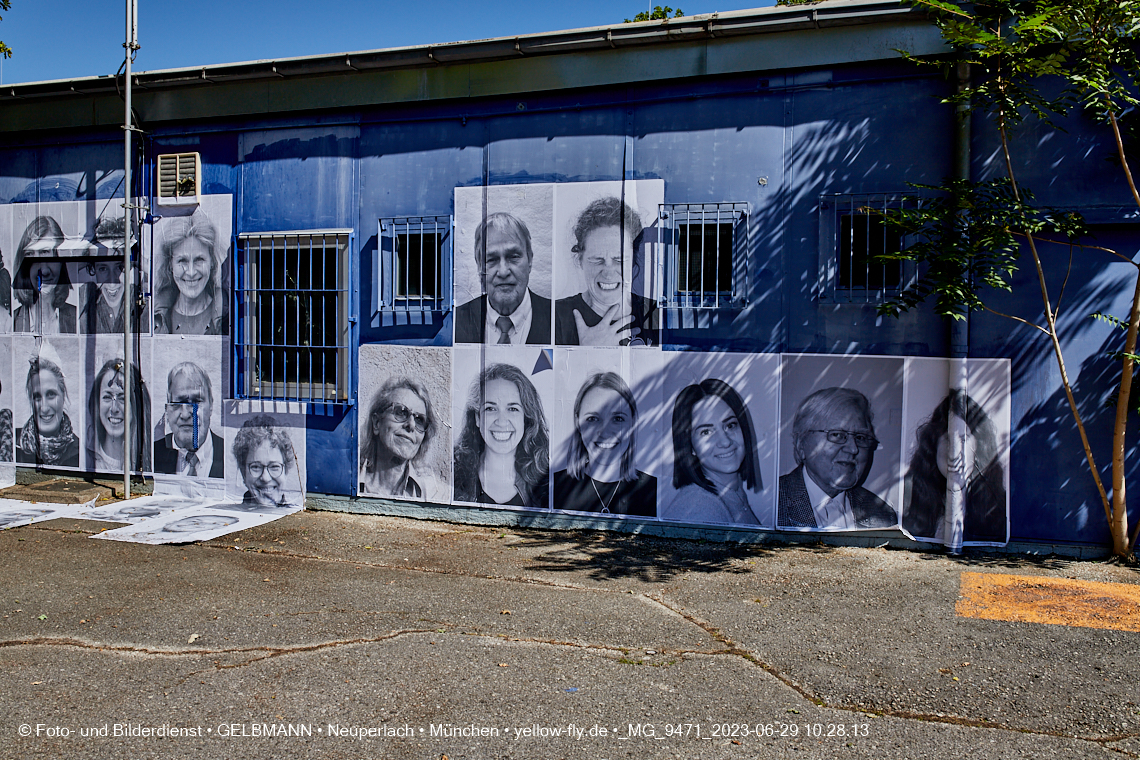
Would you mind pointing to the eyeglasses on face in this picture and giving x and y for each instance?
(401, 413)
(182, 407)
(256, 468)
(839, 438)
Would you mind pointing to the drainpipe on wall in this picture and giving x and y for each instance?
(130, 46)
(956, 479)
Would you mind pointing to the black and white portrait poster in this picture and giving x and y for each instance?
(405, 416)
(605, 263)
(48, 398)
(957, 426)
(722, 423)
(501, 399)
(186, 391)
(182, 527)
(189, 248)
(265, 456)
(143, 508)
(502, 281)
(7, 420)
(106, 387)
(606, 432)
(840, 442)
(14, 513)
(7, 257)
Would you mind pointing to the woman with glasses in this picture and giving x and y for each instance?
(189, 298)
(105, 428)
(397, 436)
(714, 456)
(265, 459)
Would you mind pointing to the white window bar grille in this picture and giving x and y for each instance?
(415, 262)
(853, 233)
(291, 298)
(706, 254)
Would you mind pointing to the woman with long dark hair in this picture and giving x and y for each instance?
(600, 475)
(105, 429)
(978, 471)
(503, 452)
(714, 456)
(42, 284)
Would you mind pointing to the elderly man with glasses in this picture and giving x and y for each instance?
(189, 446)
(396, 437)
(833, 440)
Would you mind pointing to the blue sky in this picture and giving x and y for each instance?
(62, 39)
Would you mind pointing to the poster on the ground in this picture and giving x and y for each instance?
(187, 526)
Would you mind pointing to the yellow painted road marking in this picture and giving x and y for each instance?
(1057, 601)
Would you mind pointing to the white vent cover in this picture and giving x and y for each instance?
(179, 177)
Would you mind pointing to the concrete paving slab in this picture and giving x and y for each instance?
(696, 706)
(878, 630)
(57, 492)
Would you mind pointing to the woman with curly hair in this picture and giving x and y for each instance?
(42, 284)
(105, 429)
(977, 472)
(264, 455)
(503, 453)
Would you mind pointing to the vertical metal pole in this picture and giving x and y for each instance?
(129, 47)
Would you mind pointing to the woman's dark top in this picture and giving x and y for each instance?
(636, 497)
(540, 496)
(644, 313)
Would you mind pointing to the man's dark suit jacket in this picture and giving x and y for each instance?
(471, 316)
(795, 507)
(166, 456)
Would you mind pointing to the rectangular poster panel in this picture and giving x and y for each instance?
(840, 442)
(200, 524)
(14, 513)
(265, 456)
(721, 420)
(607, 427)
(405, 435)
(500, 401)
(143, 508)
(186, 407)
(502, 275)
(7, 426)
(958, 500)
(103, 398)
(48, 406)
(605, 286)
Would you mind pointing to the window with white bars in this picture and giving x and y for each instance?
(705, 254)
(292, 337)
(853, 234)
(179, 177)
(415, 263)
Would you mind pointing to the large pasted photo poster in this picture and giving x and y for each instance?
(606, 427)
(605, 237)
(47, 406)
(405, 435)
(956, 487)
(7, 426)
(265, 456)
(722, 422)
(201, 524)
(501, 430)
(186, 407)
(107, 384)
(190, 249)
(840, 442)
(502, 274)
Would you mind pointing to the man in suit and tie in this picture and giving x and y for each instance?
(189, 447)
(509, 312)
(833, 440)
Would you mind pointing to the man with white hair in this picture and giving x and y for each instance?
(833, 441)
(189, 447)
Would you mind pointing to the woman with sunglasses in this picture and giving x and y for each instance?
(265, 459)
(397, 436)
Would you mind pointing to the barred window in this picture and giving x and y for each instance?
(292, 338)
(705, 253)
(415, 263)
(853, 233)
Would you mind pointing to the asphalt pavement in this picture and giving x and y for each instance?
(332, 635)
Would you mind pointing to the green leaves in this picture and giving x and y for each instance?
(658, 14)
